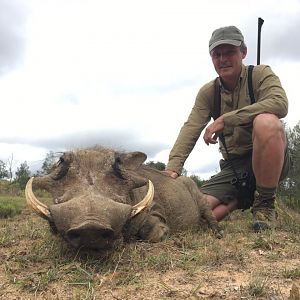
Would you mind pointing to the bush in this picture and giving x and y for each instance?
(198, 180)
(9, 211)
(292, 202)
(10, 207)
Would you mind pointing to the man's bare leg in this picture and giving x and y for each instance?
(269, 143)
(220, 210)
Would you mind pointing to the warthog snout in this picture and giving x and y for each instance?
(91, 235)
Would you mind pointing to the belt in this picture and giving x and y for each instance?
(237, 156)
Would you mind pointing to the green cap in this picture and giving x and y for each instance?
(226, 35)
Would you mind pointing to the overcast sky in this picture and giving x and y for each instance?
(125, 73)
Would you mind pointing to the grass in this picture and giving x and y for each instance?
(258, 287)
(39, 265)
(293, 273)
(11, 206)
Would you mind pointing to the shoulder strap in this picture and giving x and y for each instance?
(217, 100)
(250, 84)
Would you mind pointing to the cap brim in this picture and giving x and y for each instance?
(222, 42)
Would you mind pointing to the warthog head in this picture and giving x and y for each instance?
(92, 196)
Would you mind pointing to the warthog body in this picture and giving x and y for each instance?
(96, 196)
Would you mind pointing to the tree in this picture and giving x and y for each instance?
(10, 163)
(198, 180)
(290, 187)
(48, 163)
(3, 170)
(161, 167)
(22, 175)
(158, 165)
(294, 145)
(184, 172)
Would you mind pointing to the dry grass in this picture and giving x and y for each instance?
(242, 265)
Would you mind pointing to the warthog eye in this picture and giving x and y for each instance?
(116, 168)
(60, 161)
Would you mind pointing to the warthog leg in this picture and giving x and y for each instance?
(206, 214)
(154, 229)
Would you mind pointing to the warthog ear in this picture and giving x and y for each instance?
(132, 160)
(126, 165)
(62, 166)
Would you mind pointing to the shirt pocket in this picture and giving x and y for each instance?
(229, 139)
(243, 135)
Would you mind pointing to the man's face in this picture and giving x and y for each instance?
(227, 60)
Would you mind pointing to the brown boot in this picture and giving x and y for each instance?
(264, 215)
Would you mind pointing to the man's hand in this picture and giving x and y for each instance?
(213, 130)
(173, 174)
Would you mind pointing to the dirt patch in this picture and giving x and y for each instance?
(242, 265)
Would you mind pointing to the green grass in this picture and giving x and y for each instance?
(11, 206)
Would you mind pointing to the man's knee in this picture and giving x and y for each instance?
(266, 125)
(267, 121)
(212, 201)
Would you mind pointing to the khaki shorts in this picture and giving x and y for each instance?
(221, 187)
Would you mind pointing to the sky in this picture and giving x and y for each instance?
(125, 73)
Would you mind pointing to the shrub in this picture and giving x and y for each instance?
(10, 207)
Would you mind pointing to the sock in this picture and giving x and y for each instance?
(266, 192)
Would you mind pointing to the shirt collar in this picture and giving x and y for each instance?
(242, 75)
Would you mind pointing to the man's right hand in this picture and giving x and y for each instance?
(212, 131)
(173, 174)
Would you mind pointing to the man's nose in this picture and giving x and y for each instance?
(223, 57)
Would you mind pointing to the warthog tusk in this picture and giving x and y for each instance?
(146, 202)
(39, 208)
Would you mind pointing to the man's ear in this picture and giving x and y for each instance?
(244, 52)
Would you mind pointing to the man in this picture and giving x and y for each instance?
(254, 147)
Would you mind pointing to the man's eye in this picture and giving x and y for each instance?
(230, 53)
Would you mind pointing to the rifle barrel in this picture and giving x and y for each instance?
(260, 23)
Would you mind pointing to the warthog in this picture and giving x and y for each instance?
(103, 197)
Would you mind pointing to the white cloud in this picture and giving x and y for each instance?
(125, 72)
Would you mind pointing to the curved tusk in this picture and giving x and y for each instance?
(41, 209)
(145, 203)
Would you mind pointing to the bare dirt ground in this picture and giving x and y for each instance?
(242, 265)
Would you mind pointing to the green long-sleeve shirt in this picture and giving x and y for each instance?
(237, 111)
